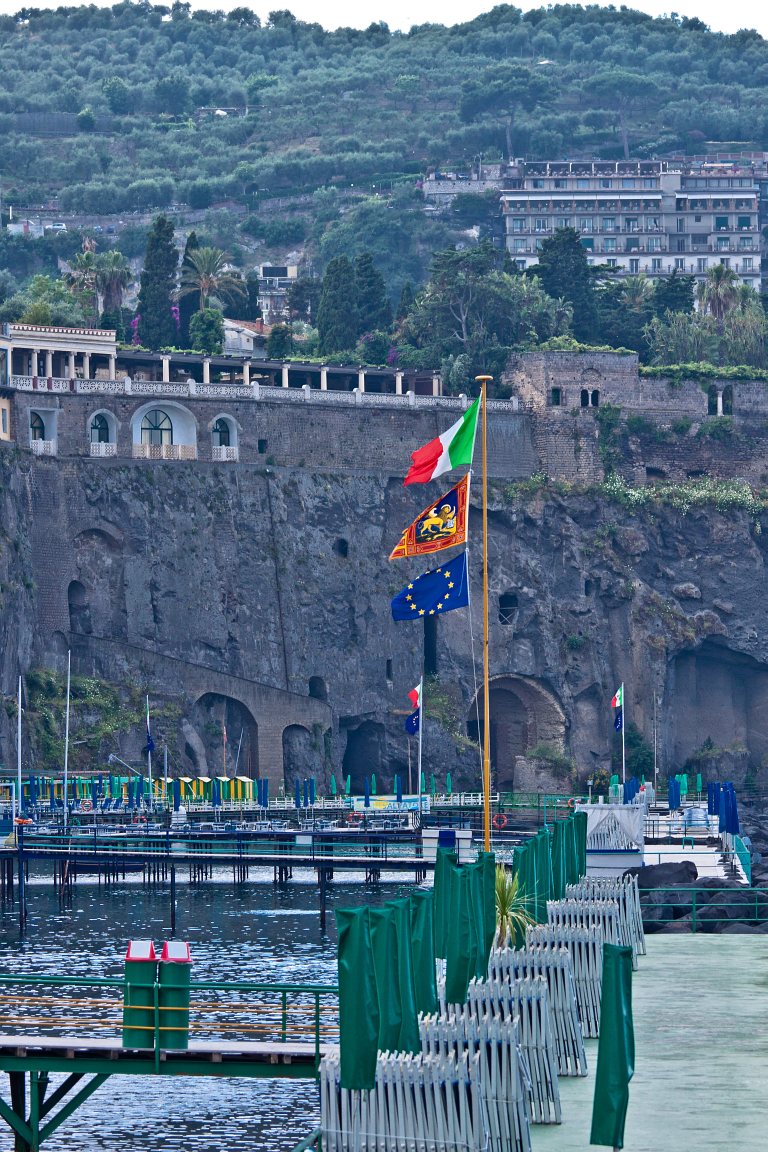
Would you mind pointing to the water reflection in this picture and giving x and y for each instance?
(250, 931)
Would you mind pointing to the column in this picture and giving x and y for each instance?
(361, 380)
(285, 375)
(323, 379)
(112, 367)
(86, 366)
(166, 361)
(398, 383)
(719, 401)
(206, 371)
(435, 385)
(71, 366)
(48, 363)
(35, 359)
(246, 373)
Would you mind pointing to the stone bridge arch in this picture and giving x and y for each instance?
(524, 712)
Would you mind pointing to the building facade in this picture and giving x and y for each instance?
(652, 217)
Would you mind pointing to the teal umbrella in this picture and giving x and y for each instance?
(432, 785)
(333, 784)
(348, 788)
(423, 782)
(448, 784)
(373, 783)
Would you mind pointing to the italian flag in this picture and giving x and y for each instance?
(618, 700)
(454, 447)
(415, 696)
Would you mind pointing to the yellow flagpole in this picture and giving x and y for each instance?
(484, 381)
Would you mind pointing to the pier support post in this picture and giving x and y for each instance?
(173, 898)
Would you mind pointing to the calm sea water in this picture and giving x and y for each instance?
(250, 931)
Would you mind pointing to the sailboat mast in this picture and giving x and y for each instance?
(484, 382)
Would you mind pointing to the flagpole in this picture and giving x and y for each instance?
(484, 381)
(623, 726)
(18, 746)
(66, 737)
(421, 729)
(149, 758)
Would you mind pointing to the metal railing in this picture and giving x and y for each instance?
(703, 909)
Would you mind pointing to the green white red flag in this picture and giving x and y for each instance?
(450, 449)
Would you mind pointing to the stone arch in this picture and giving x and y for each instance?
(712, 400)
(365, 754)
(318, 689)
(302, 756)
(96, 424)
(212, 715)
(224, 420)
(183, 421)
(79, 608)
(523, 713)
(728, 400)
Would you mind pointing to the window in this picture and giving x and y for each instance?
(634, 267)
(587, 242)
(632, 244)
(585, 223)
(507, 608)
(585, 398)
(36, 426)
(606, 183)
(541, 224)
(745, 243)
(156, 428)
(390, 673)
(723, 244)
(612, 263)
(628, 183)
(520, 244)
(654, 243)
(556, 397)
(630, 224)
(594, 398)
(681, 225)
(656, 264)
(697, 219)
(518, 224)
(99, 429)
(679, 264)
(609, 244)
(721, 223)
(220, 433)
(261, 446)
(520, 265)
(649, 183)
(561, 183)
(4, 421)
(562, 222)
(537, 183)
(609, 223)
(725, 262)
(744, 223)
(582, 183)
(746, 266)
(701, 264)
(700, 239)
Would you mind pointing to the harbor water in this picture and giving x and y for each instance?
(249, 931)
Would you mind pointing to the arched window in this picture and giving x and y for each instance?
(221, 433)
(585, 398)
(99, 429)
(712, 400)
(156, 428)
(728, 400)
(37, 427)
(594, 398)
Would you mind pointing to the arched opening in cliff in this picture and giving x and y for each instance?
(365, 755)
(523, 713)
(228, 737)
(302, 756)
(79, 608)
(318, 689)
(715, 693)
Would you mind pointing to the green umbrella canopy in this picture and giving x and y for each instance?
(333, 785)
(373, 784)
(448, 784)
(348, 788)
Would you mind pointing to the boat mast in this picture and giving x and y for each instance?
(484, 381)
(66, 737)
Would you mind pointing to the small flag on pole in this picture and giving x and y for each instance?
(413, 722)
(442, 524)
(618, 722)
(434, 592)
(618, 699)
(453, 447)
(150, 742)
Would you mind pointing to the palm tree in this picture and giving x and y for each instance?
(512, 917)
(81, 279)
(113, 276)
(718, 293)
(636, 292)
(207, 272)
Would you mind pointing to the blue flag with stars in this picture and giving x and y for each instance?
(435, 592)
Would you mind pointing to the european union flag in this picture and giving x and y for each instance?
(413, 722)
(618, 722)
(438, 591)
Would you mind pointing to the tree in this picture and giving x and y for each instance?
(206, 330)
(673, 293)
(564, 272)
(207, 272)
(407, 296)
(374, 310)
(157, 326)
(337, 322)
(172, 93)
(718, 293)
(86, 121)
(303, 298)
(82, 282)
(118, 95)
(505, 90)
(189, 303)
(625, 309)
(113, 276)
(279, 342)
(621, 92)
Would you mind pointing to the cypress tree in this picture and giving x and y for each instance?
(565, 273)
(407, 296)
(157, 326)
(374, 310)
(190, 303)
(337, 321)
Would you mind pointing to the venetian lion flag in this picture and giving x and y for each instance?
(442, 524)
(451, 448)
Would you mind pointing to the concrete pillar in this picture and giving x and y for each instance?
(246, 373)
(323, 379)
(166, 361)
(361, 380)
(435, 385)
(48, 363)
(270, 745)
(112, 368)
(206, 371)
(285, 376)
(719, 401)
(86, 366)
(35, 361)
(398, 383)
(71, 366)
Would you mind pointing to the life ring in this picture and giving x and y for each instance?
(499, 821)
(571, 803)
(354, 818)
(86, 806)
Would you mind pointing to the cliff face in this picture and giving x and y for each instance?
(258, 599)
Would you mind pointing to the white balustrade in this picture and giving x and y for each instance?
(101, 449)
(22, 383)
(112, 387)
(43, 447)
(225, 452)
(165, 451)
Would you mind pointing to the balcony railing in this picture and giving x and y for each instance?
(225, 452)
(165, 451)
(43, 447)
(103, 449)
